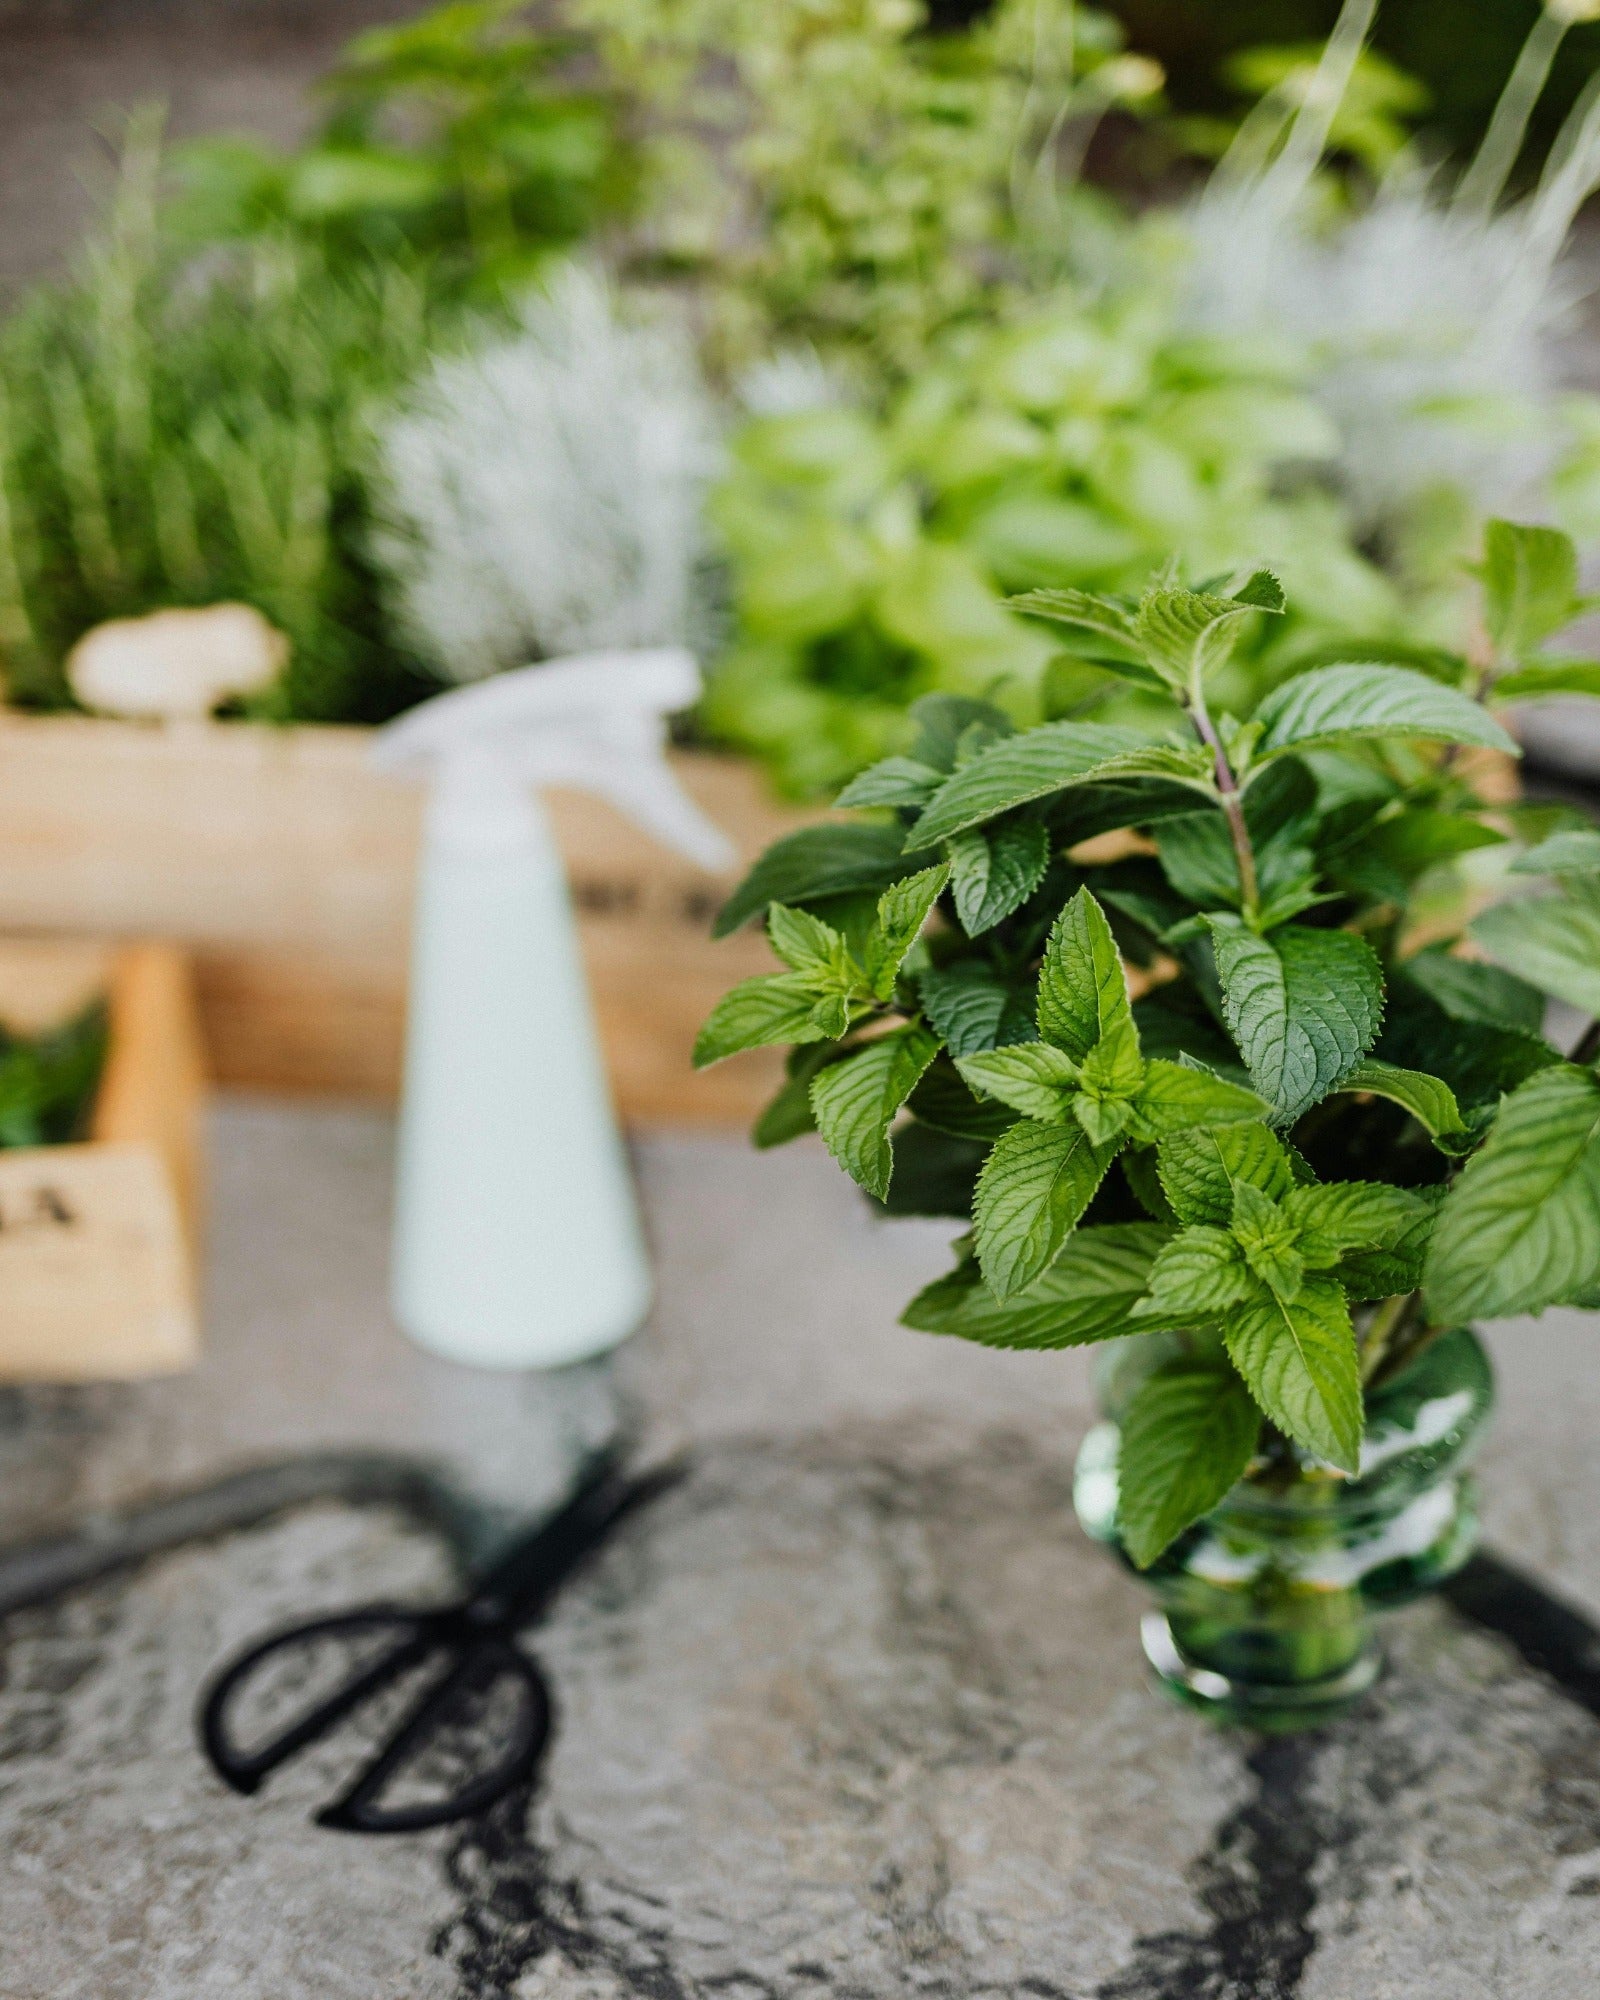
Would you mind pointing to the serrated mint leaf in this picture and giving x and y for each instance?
(1298, 1357)
(1468, 990)
(1172, 1098)
(902, 911)
(789, 1115)
(1345, 704)
(893, 781)
(1023, 768)
(1034, 1186)
(972, 1007)
(1530, 585)
(1201, 1169)
(1268, 1239)
(1186, 633)
(1339, 1216)
(1083, 991)
(1304, 1007)
(1198, 859)
(760, 1013)
(856, 1101)
(806, 944)
(1140, 1171)
(1262, 591)
(943, 1100)
(1573, 851)
(1521, 1227)
(1196, 1277)
(1397, 1266)
(1188, 1435)
(1086, 1295)
(1033, 1078)
(994, 870)
(1542, 678)
(1107, 617)
(1553, 941)
(816, 862)
(1429, 1099)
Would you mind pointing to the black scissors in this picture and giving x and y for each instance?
(476, 1667)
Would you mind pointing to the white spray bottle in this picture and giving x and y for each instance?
(517, 1243)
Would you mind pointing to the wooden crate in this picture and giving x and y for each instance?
(99, 1241)
(285, 865)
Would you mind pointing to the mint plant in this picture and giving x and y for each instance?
(1241, 1078)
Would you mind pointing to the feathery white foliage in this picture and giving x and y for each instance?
(1435, 318)
(544, 492)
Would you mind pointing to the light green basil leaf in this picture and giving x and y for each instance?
(1187, 633)
(902, 911)
(1197, 1276)
(762, 1012)
(807, 945)
(1173, 1097)
(1521, 1227)
(1033, 1078)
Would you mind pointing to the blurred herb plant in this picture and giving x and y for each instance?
(1300, 1142)
(48, 1082)
(455, 142)
(832, 172)
(870, 554)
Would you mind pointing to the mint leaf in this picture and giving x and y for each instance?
(1269, 1239)
(1189, 1433)
(1023, 768)
(1299, 1359)
(902, 911)
(1398, 1265)
(943, 1100)
(789, 1115)
(1429, 1099)
(816, 862)
(1200, 1170)
(893, 781)
(1573, 851)
(1548, 677)
(1173, 1097)
(1304, 1007)
(1468, 990)
(1086, 1295)
(973, 1007)
(1033, 1078)
(1553, 941)
(995, 870)
(1197, 1276)
(1521, 1227)
(806, 944)
(1530, 585)
(856, 1101)
(1344, 704)
(1349, 1215)
(1083, 992)
(947, 722)
(1033, 1188)
(1186, 633)
(1107, 617)
(761, 1012)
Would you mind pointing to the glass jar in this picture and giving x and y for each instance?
(1266, 1605)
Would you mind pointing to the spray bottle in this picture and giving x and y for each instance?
(517, 1243)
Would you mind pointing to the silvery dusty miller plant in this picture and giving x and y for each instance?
(543, 492)
(1320, 1135)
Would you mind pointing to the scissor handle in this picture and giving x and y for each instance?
(476, 1654)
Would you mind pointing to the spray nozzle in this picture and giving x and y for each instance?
(593, 722)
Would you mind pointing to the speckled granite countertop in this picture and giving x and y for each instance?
(852, 1710)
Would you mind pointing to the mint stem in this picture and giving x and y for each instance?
(1232, 804)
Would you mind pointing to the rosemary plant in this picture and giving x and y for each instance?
(1312, 1127)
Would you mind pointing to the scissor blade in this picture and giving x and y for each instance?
(245, 1769)
(356, 1810)
(517, 1588)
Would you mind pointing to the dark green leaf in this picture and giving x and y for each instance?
(943, 1100)
(1468, 990)
(816, 862)
(1303, 1006)
(995, 870)
(893, 781)
(973, 1007)
(1201, 1170)
(1023, 768)
(902, 911)
(944, 721)
(1429, 1099)
(1187, 1437)
(1085, 1296)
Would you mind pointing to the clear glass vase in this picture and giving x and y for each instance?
(1266, 1607)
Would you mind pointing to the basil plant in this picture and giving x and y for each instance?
(1190, 1030)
